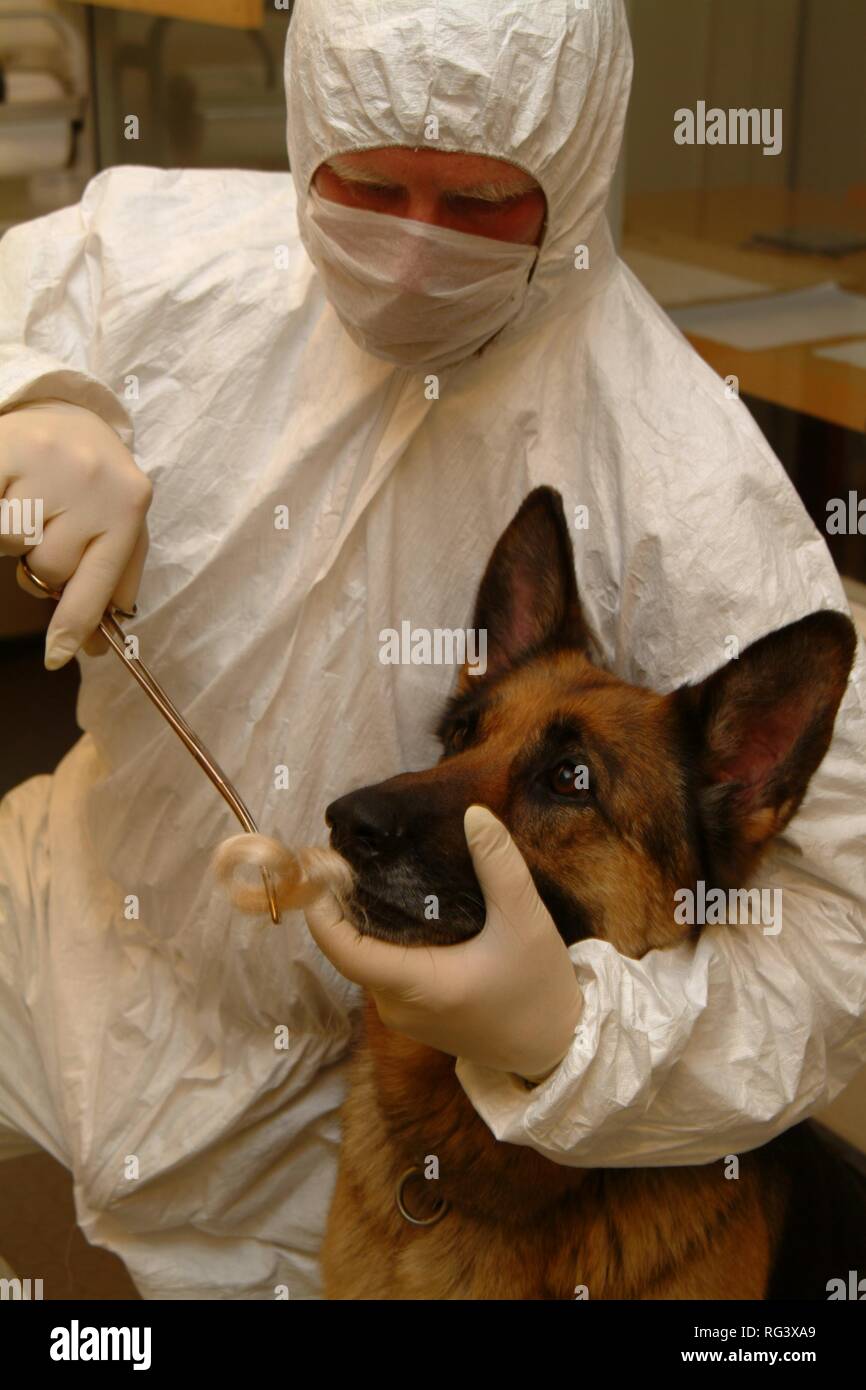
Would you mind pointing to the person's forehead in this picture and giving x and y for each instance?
(446, 167)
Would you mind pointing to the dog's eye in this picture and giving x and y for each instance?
(458, 734)
(569, 778)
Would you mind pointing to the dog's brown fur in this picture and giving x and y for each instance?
(684, 786)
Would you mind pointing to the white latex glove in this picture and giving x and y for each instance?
(507, 998)
(94, 500)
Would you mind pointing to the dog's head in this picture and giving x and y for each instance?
(617, 797)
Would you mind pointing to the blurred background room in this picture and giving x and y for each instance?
(760, 258)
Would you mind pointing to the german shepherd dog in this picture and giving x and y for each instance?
(683, 787)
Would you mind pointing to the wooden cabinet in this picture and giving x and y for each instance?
(235, 14)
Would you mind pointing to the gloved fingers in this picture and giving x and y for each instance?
(323, 913)
(21, 579)
(52, 403)
(357, 957)
(354, 955)
(369, 961)
(23, 525)
(414, 1018)
(86, 594)
(502, 872)
(96, 645)
(44, 560)
(59, 551)
(14, 542)
(64, 548)
(126, 593)
(90, 500)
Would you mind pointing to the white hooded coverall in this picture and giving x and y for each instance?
(153, 1036)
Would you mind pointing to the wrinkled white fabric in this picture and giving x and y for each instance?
(417, 295)
(154, 1036)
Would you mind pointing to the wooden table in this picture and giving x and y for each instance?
(235, 14)
(712, 229)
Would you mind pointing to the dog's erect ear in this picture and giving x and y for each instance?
(760, 727)
(528, 599)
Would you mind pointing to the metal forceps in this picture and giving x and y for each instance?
(116, 637)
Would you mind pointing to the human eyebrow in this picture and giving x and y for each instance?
(350, 174)
(487, 191)
(495, 190)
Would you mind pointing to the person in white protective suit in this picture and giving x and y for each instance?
(240, 334)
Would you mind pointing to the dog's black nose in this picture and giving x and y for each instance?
(368, 821)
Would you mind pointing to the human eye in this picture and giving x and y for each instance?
(385, 190)
(373, 189)
(483, 206)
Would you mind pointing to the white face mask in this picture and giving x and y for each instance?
(414, 294)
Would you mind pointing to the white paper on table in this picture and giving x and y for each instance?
(679, 282)
(853, 353)
(800, 316)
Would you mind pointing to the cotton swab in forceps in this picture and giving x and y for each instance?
(116, 638)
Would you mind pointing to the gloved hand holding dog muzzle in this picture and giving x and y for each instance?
(507, 998)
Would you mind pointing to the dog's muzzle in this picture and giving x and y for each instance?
(368, 824)
(414, 876)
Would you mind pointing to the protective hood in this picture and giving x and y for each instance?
(544, 86)
(308, 501)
